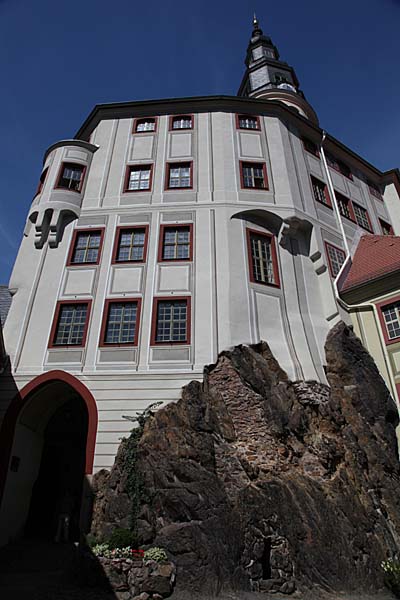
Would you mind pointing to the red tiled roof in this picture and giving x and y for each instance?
(375, 256)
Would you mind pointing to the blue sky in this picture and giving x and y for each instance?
(59, 59)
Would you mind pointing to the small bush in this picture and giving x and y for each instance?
(91, 540)
(391, 568)
(121, 538)
(157, 554)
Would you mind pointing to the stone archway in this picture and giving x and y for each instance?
(35, 429)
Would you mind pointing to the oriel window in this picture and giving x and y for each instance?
(71, 177)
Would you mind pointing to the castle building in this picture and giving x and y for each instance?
(163, 233)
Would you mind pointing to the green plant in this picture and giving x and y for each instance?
(100, 549)
(135, 483)
(91, 540)
(121, 538)
(157, 554)
(391, 568)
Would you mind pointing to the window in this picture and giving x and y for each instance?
(138, 178)
(179, 175)
(70, 324)
(320, 191)
(262, 258)
(71, 177)
(375, 190)
(171, 321)
(387, 229)
(85, 247)
(120, 322)
(281, 78)
(253, 176)
(181, 122)
(345, 207)
(176, 242)
(362, 217)
(338, 165)
(336, 258)
(247, 122)
(145, 124)
(310, 147)
(42, 179)
(391, 315)
(130, 244)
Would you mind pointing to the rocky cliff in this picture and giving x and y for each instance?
(254, 481)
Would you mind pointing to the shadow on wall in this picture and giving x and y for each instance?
(292, 233)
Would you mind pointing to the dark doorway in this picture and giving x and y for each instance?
(58, 487)
(266, 559)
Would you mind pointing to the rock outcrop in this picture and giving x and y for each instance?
(254, 481)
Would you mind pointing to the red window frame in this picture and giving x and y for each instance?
(124, 300)
(156, 302)
(384, 225)
(274, 255)
(117, 239)
(326, 192)
(165, 226)
(310, 147)
(341, 197)
(42, 179)
(243, 163)
(170, 165)
(137, 120)
(339, 166)
(380, 306)
(73, 244)
(329, 245)
(59, 177)
(370, 230)
(53, 330)
(173, 117)
(374, 190)
(137, 167)
(256, 117)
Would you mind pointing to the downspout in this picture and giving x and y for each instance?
(333, 195)
(346, 264)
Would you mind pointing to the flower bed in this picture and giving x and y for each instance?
(132, 574)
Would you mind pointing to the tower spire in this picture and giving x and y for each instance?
(269, 77)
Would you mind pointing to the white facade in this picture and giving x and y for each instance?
(227, 307)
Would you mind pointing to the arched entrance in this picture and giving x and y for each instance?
(48, 439)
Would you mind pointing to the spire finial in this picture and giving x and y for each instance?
(256, 27)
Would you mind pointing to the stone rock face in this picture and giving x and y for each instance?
(256, 482)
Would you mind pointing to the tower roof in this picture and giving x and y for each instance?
(376, 256)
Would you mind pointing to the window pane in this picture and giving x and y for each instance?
(146, 125)
(253, 176)
(171, 321)
(248, 122)
(262, 260)
(391, 315)
(179, 176)
(121, 323)
(139, 178)
(176, 243)
(361, 217)
(336, 259)
(71, 177)
(71, 324)
(131, 245)
(87, 247)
